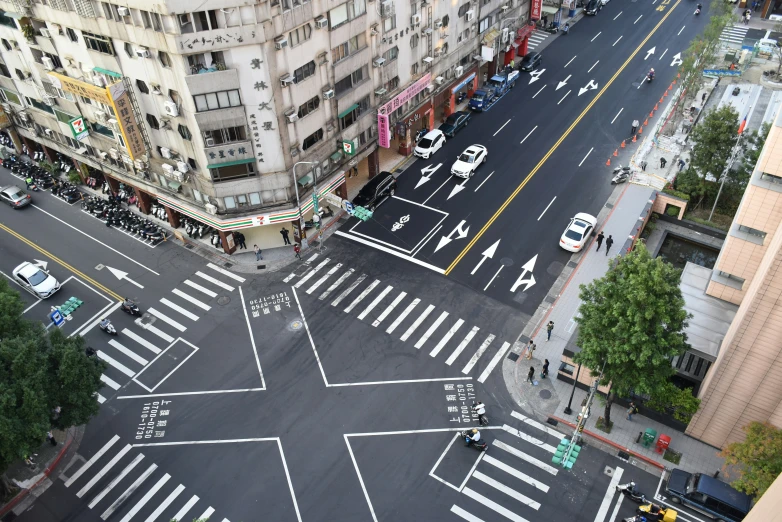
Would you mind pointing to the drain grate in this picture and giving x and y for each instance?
(228, 265)
(223, 300)
(189, 246)
(513, 356)
(261, 267)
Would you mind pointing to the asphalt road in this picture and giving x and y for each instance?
(548, 140)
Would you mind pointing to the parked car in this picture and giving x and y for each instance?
(455, 122)
(708, 496)
(577, 232)
(15, 197)
(376, 191)
(530, 61)
(430, 143)
(35, 280)
(469, 160)
(593, 7)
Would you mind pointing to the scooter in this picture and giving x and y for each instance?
(621, 177)
(654, 513)
(461, 97)
(649, 78)
(630, 491)
(479, 446)
(107, 327)
(636, 518)
(130, 307)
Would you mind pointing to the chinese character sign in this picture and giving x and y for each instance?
(383, 132)
(385, 111)
(127, 121)
(87, 90)
(535, 9)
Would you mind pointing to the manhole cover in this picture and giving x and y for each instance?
(506, 261)
(228, 265)
(513, 356)
(223, 300)
(189, 246)
(609, 471)
(296, 324)
(545, 394)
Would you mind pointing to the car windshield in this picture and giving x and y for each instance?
(574, 235)
(478, 97)
(18, 195)
(425, 143)
(37, 278)
(467, 158)
(452, 120)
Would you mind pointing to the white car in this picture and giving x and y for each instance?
(604, 2)
(36, 281)
(577, 232)
(468, 161)
(430, 143)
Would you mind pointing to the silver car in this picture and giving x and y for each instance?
(15, 197)
(36, 281)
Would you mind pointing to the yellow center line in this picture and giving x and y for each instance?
(61, 262)
(556, 145)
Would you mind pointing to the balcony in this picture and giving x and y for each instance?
(212, 80)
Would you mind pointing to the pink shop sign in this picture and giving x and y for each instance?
(387, 109)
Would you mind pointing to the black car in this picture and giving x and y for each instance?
(455, 121)
(377, 190)
(530, 61)
(593, 7)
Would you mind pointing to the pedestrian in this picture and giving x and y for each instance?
(643, 165)
(544, 372)
(549, 328)
(600, 238)
(681, 164)
(297, 251)
(284, 233)
(703, 98)
(240, 240)
(28, 459)
(531, 375)
(609, 242)
(747, 17)
(50, 438)
(635, 127)
(531, 346)
(632, 410)
(758, 5)
(257, 250)
(663, 161)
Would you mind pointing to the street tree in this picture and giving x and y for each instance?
(757, 461)
(631, 324)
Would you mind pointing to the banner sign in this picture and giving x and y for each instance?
(127, 120)
(78, 128)
(535, 9)
(383, 133)
(388, 108)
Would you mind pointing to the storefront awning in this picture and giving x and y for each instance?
(550, 9)
(174, 185)
(490, 36)
(230, 163)
(10, 14)
(336, 156)
(107, 72)
(347, 111)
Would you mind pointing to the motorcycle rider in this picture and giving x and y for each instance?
(105, 323)
(90, 351)
(474, 437)
(127, 304)
(698, 9)
(480, 409)
(651, 73)
(566, 28)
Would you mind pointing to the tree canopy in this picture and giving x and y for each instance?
(758, 460)
(632, 320)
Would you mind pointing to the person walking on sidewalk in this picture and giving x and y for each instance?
(284, 232)
(609, 242)
(531, 375)
(50, 438)
(635, 127)
(239, 237)
(681, 163)
(549, 328)
(632, 410)
(297, 251)
(258, 254)
(544, 372)
(663, 161)
(531, 349)
(643, 165)
(600, 238)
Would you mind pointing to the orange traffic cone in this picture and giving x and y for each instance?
(622, 145)
(665, 94)
(646, 121)
(655, 106)
(679, 75)
(608, 162)
(616, 152)
(634, 138)
(661, 100)
(673, 83)
(640, 130)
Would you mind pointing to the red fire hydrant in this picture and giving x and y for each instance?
(663, 441)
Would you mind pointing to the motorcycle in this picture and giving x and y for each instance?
(649, 78)
(654, 513)
(131, 308)
(479, 446)
(461, 97)
(630, 491)
(621, 177)
(636, 518)
(107, 327)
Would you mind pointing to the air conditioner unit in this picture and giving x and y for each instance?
(184, 19)
(427, 30)
(469, 15)
(291, 115)
(505, 8)
(103, 155)
(179, 176)
(287, 80)
(98, 80)
(280, 42)
(439, 80)
(171, 108)
(143, 52)
(182, 167)
(113, 124)
(48, 63)
(165, 152)
(375, 30)
(126, 159)
(459, 70)
(328, 94)
(381, 91)
(48, 132)
(321, 22)
(211, 209)
(45, 32)
(505, 35)
(156, 89)
(101, 117)
(428, 60)
(379, 61)
(438, 23)
(49, 100)
(168, 170)
(386, 8)
(209, 142)
(123, 11)
(140, 164)
(114, 153)
(415, 19)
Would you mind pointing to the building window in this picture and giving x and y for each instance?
(392, 54)
(165, 60)
(389, 24)
(752, 231)
(108, 14)
(346, 12)
(731, 276)
(243, 170)
(146, 20)
(484, 24)
(142, 86)
(348, 82)
(185, 132)
(344, 50)
(72, 36)
(129, 50)
(300, 35)
(391, 84)
(304, 72)
(567, 369)
(96, 42)
(10, 96)
(7, 21)
(157, 23)
(309, 106)
(764, 176)
(4, 70)
(255, 198)
(352, 117)
(463, 9)
(414, 69)
(229, 202)
(312, 139)
(192, 163)
(38, 105)
(445, 20)
(227, 135)
(152, 121)
(217, 100)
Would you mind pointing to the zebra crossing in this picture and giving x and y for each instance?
(101, 479)
(734, 35)
(537, 38)
(512, 478)
(377, 303)
(130, 352)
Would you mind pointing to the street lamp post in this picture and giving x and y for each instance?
(568, 411)
(296, 188)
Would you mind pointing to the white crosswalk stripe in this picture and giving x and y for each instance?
(505, 489)
(539, 425)
(469, 517)
(101, 399)
(336, 284)
(459, 349)
(447, 337)
(431, 330)
(361, 296)
(187, 507)
(481, 350)
(403, 315)
(124, 496)
(528, 438)
(166, 319)
(374, 303)
(116, 480)
(206, 514)
(525, 457)
(179, 309)
(416, 324)
(323, 279)
(167, 502)
(148, 495)
(110, 383)
(493, 505)
(160, 333)
(87, 465)
(116, 364)
(311, 273)
(734, 34)
(191, 299)
(389, 309)
(348, 290)
(200, 288)
(102, 473)
(214, 281)
(143, 342)
(226, 272)
(488, 459)
(536, 38)
(129, 353)
(494, 361)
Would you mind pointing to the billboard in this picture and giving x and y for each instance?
(128, 125)
(385, 110)
(78, 128)
(535, 9)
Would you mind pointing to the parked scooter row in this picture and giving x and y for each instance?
(111, 213)
(194, 229)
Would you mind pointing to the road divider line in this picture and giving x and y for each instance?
(493, 277)
(556, 145)
(593, 66)
(585, 157)
(503, 126)
(617, 41)
(530, 132)
(574, 57)
(598, 34)
(484, 181)
(533, 97)
(389, 251)
(547, 207)
(663, 53)
(563, 98)
(617, 115)
(620, 14)
(252, 338)
(636, 20)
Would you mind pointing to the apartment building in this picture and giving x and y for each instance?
(235, 114)
(745, 382)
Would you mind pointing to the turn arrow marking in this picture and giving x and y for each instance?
(528, 283)
(119, 274)
(535, 75)
(563, 82)
(427, 170)
(591, 86)
(40, 264)
(488, 253)
(460, 234)
(649, 53)
(677, 59)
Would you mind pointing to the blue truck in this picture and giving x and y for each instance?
(481, 99)
(497, 86)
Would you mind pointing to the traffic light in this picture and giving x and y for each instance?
(362, 213)
(566, 454)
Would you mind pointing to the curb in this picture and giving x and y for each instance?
(613, 444)
(48, 471)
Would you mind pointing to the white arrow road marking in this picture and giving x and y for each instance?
(649, 53)
(426, 174)
(535, 75)
(591, 86)
(527, 267)
(460, 232)
(40, 264)
(119, 274)
(457, 188)
(488, 253)
(677, 59)
(563, 82)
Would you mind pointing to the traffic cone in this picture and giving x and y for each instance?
(622, 145)
(616, 152)
(661, 100)
(665, 94)
(640, 130)
(646, 121)
(608, 162)
(673, 83)
(655, 106)
(634, 138)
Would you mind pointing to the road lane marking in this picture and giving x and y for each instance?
(336, 283)
(505, 489)
(469, 517)
(525, 457)
(636, 20)
(556, 145)
(143, 502)
(530, 132)
(547, 207)
(428, 238)
(167, 502)
(103, 472)
(403, 315)
(129, 353)
(389, 309)
(459, 349)
(574, 57)
(311, 273)
(361, 296)
(617, 16)
(179, 309)
(484, 181)
(474, 359)
(585, 157)
(493, 505)
(510, 470)
(200, 288)
(493, 277)
(87, 465)
(113, 362)
(252, 337)
(349, 289)
(190, 299)
(323, 279)
(495, 360)
(431, 330)
(533, 97)
(226, 273)
(563, 98)
(214, 281)
(417, 323)
(617, 115)
(109, 382)
(617, 41)
(128, 492)
(663, 54)
(374, 303)
(598, 34)
(609, 495)
(503, 126)
(535, 424)
(143, 342)
(116, 480)
(166, 319)
(590, 69)
(680, 30)
(187, 507)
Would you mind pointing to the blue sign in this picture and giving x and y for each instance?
(349, 207)
(463, 83)
(57, 318)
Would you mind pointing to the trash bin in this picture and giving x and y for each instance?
(649, 436)
(662, 443)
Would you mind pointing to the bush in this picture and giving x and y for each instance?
(676, 193)
(650, 226)
(708, 223)
(74, 177)
(672, 211)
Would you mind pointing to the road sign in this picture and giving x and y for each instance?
(348, 206)
(78, 128)
(57, 318)
(347, 148)
(315, 204)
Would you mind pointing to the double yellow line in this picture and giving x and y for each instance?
(556, 145)
(61, 262)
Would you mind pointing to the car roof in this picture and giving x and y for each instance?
(723, 492)
(530, 55)
(583, 216)
(374, 182)
(474, 149)
(26, 269)
(10, 189)
(432, 134)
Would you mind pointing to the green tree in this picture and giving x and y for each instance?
(631, 324)
(713, 140)
(758, 460)
(668, 398)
